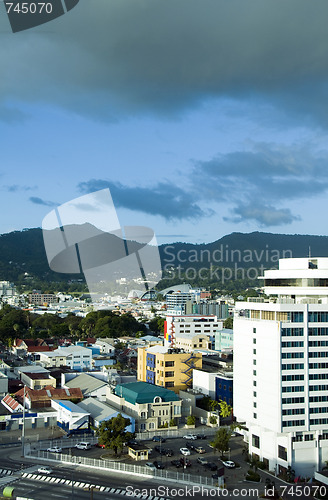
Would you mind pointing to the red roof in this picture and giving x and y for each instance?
(40, 348)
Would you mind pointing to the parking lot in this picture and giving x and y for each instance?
(164, 453)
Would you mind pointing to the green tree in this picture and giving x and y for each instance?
(112, 433)
(228, 323)
(191, 420)
(221, 440)
(225, 409)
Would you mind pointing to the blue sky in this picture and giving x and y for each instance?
(202, 117)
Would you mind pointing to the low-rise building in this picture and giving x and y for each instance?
(151, 406)
(100, 412)
(167, 367)
(75, 357)
(42, 398)
(90, 386)
(38, 380)
(70, 417)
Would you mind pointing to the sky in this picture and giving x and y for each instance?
(202, 117)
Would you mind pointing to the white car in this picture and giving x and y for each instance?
(190, 436)
(229, 464)
(54, 449)
(44, 470)
(184, 451)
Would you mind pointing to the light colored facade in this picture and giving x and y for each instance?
(193, 324)
(224, 339)
(75, 357)
(38, 380)
(166, 367)
(280, 367)
(70, 417)
(150, 406)
(106, 346)
(191, 342)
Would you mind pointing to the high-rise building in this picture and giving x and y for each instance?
(281, 367)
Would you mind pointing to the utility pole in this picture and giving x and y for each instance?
(23, 428)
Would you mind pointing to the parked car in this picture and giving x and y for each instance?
(159, 439)
(167, 452)
(159, 465)
(176, 463)
(190, 445)
(202, 461)
(211, 465)
(83, 445)
(190, 436)
(201, 436)
(184, 451)
(151, 466)
(44, 470)
(200, 449)
(132, 442)
(54, 449)
(229, 464)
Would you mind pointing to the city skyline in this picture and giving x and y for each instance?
(203, 119)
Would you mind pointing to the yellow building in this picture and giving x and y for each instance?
(167, 367)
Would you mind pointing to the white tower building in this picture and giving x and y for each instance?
(281, 367)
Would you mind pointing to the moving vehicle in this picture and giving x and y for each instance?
(200, 449)
(83, 445)
(54, 449)
(229, 464)
(184, 451)
(44, 470)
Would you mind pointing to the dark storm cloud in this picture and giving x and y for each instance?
(164, 198)
(40, 201)
(108, 58)
(271, 174)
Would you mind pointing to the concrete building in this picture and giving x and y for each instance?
(75, 357)
(193, 324)
(38, 380)
(224, 339)
(215, 384)
(166, 367)
(280, 367)
(189, 342)
(151, 406)
(100, 412)
(70, 417)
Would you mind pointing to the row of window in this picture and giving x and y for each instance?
(318, 387)
(289, 355)
(318, 365)
(294, 411)
(293, 423)
(318, 376)
(293, 366)
(318, 354)
(293, 388)
(290, 401)
(319, 421)
(321, 409)
(297, 343)
(318, 343)
(318, 331)
(292, 332)
(318, 317)
(289, 378)
(318, 399)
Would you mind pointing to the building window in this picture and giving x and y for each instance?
(254, 341)
(254, 372)
(255, 441)
(169, 384)
(282, 452)
(254, 394)
(254, 361)
(254, 415)
(169, 374)
(254, 404)
(254, 330)
(254, 351)
(254, 382)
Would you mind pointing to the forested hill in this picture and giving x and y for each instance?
(23, 252)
